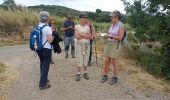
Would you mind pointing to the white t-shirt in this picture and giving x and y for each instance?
(45, 32)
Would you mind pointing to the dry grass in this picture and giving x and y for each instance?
(7, 75)
(12, 43)
(138, 76)
(145, 81)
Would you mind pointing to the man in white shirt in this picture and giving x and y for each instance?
(46, 53)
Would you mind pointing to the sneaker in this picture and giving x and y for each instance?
(104, 79)
(86, 76)
(113, 81)
(45, 87)
(78, 77)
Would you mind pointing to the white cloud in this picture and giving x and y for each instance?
(82, 5)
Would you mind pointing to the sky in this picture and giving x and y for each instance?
(81, 5)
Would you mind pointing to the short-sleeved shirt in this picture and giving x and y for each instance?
(92, 29)
(114, 29)
(45, 32)
(82, 30)
(69, 32)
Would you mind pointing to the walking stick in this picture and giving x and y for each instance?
(95, 45)
(96, 53)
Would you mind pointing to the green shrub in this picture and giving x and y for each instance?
(155, 68)
(155, 64)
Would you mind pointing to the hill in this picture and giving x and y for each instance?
(55, 10)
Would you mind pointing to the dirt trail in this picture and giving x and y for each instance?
(61, 76)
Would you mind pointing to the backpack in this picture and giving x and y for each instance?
(124, 39)
(36, 39)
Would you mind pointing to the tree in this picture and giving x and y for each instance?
(9, 4)
(98, 10)
(151, 21)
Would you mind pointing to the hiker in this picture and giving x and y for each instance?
(92, 32)
(54, 29)
(111, 50)
(68, 29)
(82, 33)
(57, 38)
(46, 53)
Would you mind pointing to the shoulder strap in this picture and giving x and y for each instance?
(43, 27)
(42, 34)
(90, 26)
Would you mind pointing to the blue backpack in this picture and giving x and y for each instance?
(36, 39)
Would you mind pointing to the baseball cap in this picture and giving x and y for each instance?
(115, 13)
(83, 16)
(44, 15)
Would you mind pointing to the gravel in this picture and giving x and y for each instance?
(62, 79)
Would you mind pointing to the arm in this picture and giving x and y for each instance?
(50, 38)
(77, 34)
(64, 29)
(73, 27)
(120, 35)
(88, 35)
(49, 35)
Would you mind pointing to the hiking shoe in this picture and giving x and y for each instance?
(89, 63)
(66, 56)
(86, 76)
(52, 62)
(78, 77)
(73, 56)
(104, 79)
(45, 87)
(48, 81)
(113, 81)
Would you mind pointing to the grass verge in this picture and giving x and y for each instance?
(7, 75)
(12, 43)
(3, 78)
(138, 75)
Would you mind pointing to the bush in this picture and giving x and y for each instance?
(155, 68)
(155, 64)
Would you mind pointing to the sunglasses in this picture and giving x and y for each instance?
(113, 17)
(84, 17)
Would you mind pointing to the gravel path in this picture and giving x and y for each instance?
(64, 86)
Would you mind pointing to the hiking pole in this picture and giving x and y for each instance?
(63, 40)
(96, 52)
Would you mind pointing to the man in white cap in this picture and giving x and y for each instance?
(46, 53)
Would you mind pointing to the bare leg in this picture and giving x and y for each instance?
(115, 66)
(78, 70)
(85, 68)
(106, 65)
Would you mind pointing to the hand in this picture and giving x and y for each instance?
(70, 26)
(110, 36)
(97, 35)
(82, 35)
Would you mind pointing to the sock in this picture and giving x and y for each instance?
(85, 72)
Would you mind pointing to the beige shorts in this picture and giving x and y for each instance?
(111, 49)
(82, 53)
